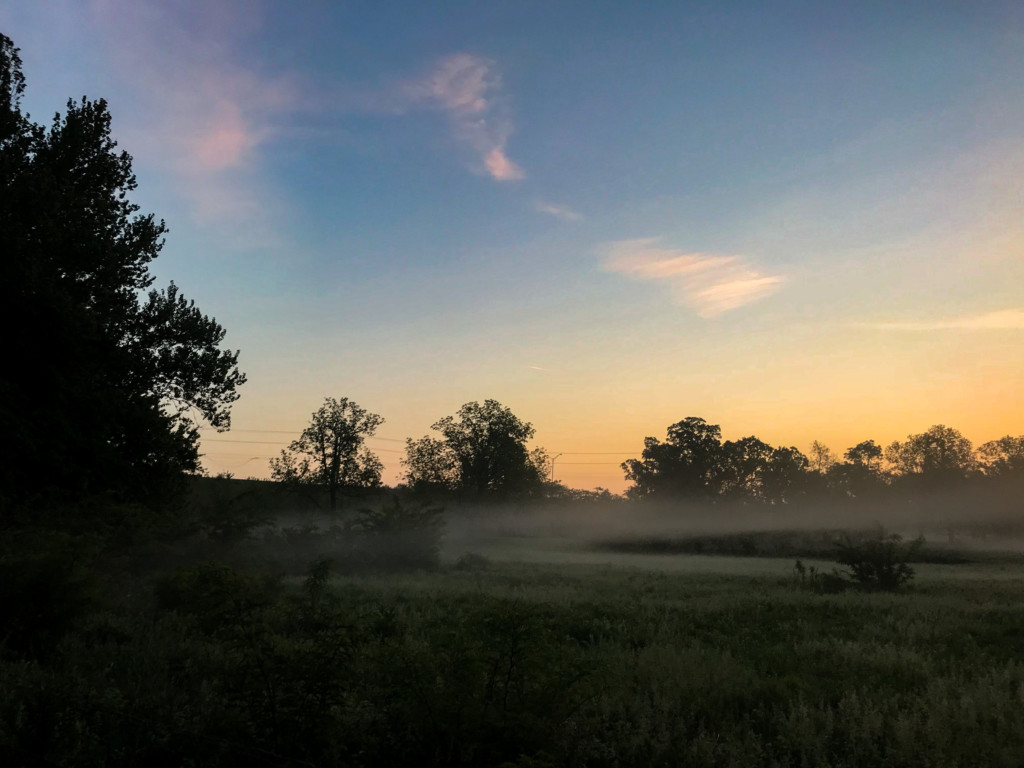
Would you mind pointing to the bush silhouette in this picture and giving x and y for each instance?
(880, 563)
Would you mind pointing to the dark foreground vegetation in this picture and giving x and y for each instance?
(268, 652)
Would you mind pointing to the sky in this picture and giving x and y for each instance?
(802, 221)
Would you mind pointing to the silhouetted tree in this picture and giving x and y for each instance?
(821, 459)
(1003, 457)
(481, 452)
(937, 457)
(743, 465)
(102, 391)
(687, 465)
(861, 476)
(330, 452)
(867, 453)
(430, 465)
(694, 464)
(785, 477)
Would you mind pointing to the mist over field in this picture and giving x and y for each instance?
(966, 520)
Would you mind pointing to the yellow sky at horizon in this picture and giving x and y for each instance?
(974, 386)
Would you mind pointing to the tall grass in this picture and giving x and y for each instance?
(524, 665)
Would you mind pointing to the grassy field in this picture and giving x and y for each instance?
(724, 662)
(539, 652)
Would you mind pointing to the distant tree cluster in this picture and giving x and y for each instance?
(693, 463)
(481, 454)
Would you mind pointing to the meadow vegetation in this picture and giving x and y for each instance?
(358, 640)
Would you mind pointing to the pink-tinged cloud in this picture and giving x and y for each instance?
(461, 83)
(1000, 320)
(225, 141)
(563, 212)
(501, 168)
(468, 89)
(202, 116)
(731, 294)
(709, 284)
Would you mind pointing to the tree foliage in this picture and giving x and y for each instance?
(686, 465)
(481, 453)
(861, 475)
(694, 464)
(821, 458)
(939, 456)
(106, 378)
(1003, 457)
(330, 452)
(866, 453)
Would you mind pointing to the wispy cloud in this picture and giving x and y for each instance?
(202, 115)
(1000, 320)
(708, 283)
(468, 89)
(563, 212)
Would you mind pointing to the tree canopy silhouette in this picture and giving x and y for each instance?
(687, 465)
(106, 380)
(482, 452)
(330, 451)
(940, 456)
(694, 464)
(1003, 457)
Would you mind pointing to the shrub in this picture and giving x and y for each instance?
(879, 563)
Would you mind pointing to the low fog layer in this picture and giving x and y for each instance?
(962, 519)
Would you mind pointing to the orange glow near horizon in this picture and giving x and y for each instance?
(594, 433)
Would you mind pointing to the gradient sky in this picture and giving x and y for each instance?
(797, 220)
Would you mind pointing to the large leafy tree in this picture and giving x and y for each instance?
(786, 476)
(688, 464)
(330, 452)
(938, 457)
(861, 475)
(694, 464)
(106, 379)
(1003, 457)
(743, 465)
(481, 452)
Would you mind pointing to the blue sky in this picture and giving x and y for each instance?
(798, 220)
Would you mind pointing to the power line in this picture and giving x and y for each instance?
(598, 453)
(265, 431)
(250, 442)
(292, 432)
(267, 442)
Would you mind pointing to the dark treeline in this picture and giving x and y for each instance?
(694, 464)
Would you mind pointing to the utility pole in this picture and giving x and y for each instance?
(551, 477)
